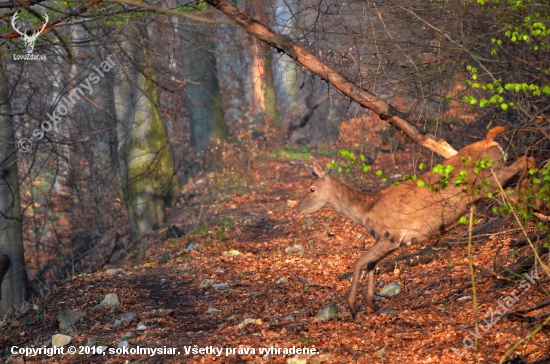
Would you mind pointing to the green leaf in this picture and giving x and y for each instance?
(420, 183)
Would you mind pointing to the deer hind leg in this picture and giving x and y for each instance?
(519, 167)
(370, 259)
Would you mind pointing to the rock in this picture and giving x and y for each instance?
(116, 325)
(295, 249)
(291, 203)
(127, 317)
(282, 280)
(164, 312)
(218, 286)
(123, 344)
(141, 326)
(390, 290)
(92, 341)
(330, 311)
(299, 359)
(212, 310)
(235, 317)
(67, 319)
(380, 353)
(174, 232)
(247, 322)
(289, 317)
(206, 283)
(61, 340)
(112, 272)
(231, 253)
(110, 300)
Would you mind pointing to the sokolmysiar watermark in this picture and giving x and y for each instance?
(502, 308)
(67, 103)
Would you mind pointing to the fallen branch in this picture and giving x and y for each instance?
(523, 264)
(303, 57)
(531, 334)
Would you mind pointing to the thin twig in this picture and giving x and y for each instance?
(506, 200)
(473, 273)
(516, 345)
(199, 217)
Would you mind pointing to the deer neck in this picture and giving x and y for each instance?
(351, 203)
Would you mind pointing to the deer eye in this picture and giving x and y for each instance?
(312, 189)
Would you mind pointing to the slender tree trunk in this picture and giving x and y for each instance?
(230, 69)
(14, 287)
(286, 13)
(202, 90)
(146, 165)
(262, 95)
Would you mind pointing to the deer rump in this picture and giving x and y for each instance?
(407, 213)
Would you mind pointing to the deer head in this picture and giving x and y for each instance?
(318, 193)
(29, 39)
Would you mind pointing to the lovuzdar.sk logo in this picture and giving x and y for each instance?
(29, 36)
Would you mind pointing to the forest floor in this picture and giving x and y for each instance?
(272, 296)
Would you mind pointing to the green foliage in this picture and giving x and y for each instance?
(352, 160)
(521, 27)
(202, 229)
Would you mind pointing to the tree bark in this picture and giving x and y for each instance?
(202, 90)
(14, 287)
(365, 98)
(262, 94)
(146, 166)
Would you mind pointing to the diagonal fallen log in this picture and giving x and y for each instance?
(303, 57)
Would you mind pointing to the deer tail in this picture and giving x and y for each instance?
(494, 132)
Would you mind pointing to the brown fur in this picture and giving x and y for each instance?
(409, 214)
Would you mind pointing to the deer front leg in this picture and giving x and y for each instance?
(371, 257)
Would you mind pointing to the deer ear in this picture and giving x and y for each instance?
(317, 168)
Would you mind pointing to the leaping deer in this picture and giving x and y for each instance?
(409, 214)
(29, 39)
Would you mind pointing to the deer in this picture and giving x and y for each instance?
(410, 213)
(29, 39)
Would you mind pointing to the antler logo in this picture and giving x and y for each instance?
(29, 39)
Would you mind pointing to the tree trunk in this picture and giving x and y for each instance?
(202, 90)
(146, 166)
(304, 58)
(262, 94)
(230, 69)
(286, 24)
(14, 287)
